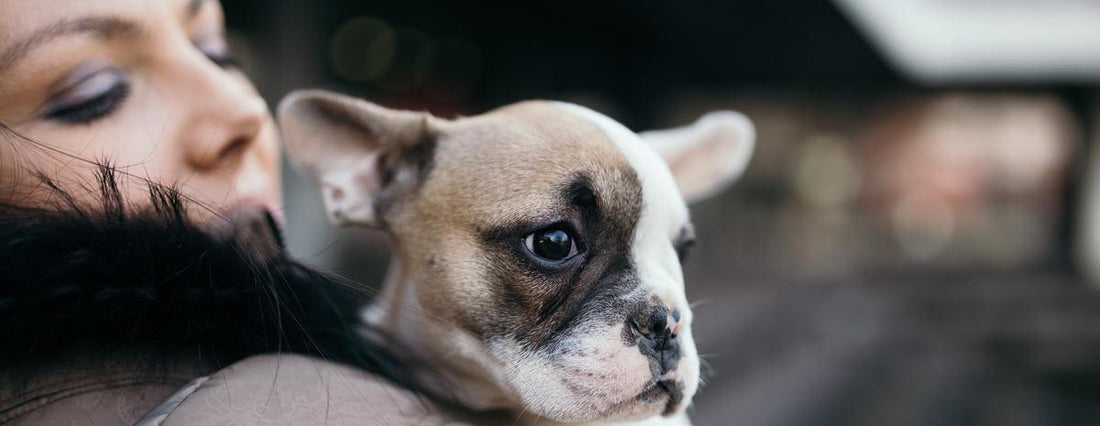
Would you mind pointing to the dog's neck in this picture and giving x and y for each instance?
(459, 366)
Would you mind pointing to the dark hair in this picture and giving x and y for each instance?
(114, 283)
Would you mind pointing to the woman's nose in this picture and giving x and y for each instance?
(226, 121)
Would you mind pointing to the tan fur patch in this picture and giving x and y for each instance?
(505, 167)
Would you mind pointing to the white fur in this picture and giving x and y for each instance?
(726, 137)
(664, 212)
(598, 375)
(590, 372)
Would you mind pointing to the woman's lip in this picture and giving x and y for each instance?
(253, 226)
(277, 214)
(268, 206)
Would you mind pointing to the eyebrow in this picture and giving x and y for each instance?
(580, 194)
(98, 26)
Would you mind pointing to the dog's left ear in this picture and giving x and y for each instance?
(707, 155)
(363, 156)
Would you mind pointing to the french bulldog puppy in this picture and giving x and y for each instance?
(537, 247)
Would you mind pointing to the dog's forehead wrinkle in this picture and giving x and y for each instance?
(654, 174)
(512, 161)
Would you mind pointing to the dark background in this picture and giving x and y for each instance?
(899, 252)
(636, 52)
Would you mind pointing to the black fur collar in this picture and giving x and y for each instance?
(148, 287)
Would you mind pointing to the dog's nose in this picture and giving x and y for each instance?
(655, 329)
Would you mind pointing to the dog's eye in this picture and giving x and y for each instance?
(552, 244)
(683, 248)
(684, 242)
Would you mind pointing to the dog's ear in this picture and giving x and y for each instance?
(707, 155)
(361, 155)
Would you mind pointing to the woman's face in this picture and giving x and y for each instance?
(145, 85)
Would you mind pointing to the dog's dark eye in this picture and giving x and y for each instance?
(552, 244)
(684, 242)
(683, 248)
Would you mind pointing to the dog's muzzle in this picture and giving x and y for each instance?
(655, 328)
(655, 331)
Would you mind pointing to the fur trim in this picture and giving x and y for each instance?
(147, 286)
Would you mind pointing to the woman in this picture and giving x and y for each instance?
(139, 252)
(148, 86)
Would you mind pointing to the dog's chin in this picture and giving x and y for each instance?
(658, 398)
(662, 398)
(596, 378)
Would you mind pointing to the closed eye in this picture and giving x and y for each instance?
(223, 60)
(90, 99)
(217, 51)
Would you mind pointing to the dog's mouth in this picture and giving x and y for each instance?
(666, 391)
(674, 391)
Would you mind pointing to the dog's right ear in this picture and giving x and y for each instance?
(360, 154)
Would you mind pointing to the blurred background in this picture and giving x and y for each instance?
(911, 243)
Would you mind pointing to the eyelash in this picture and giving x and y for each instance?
(224, 60)
(92, 109)
(103, 105)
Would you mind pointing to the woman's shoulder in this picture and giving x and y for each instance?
(293, 389)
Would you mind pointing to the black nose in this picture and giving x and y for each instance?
(655, 339)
